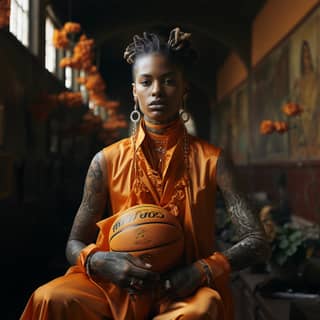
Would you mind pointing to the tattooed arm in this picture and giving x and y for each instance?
(252, 247)
(91, 209)
(117, 267)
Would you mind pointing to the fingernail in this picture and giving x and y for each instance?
(148, 265)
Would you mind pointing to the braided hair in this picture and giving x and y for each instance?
(178, 48)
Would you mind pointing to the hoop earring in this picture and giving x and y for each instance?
(184, 115)
(135, 117)
(135, 114)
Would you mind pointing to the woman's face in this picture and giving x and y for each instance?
(159, 87)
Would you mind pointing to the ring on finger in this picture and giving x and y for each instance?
(135, 283)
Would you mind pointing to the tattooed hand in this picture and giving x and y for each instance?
(253, 246)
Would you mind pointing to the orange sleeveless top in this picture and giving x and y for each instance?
(188, 193)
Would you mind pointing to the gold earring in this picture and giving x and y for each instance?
(135, 114)
(184, 115)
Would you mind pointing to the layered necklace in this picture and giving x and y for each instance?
(160, 138)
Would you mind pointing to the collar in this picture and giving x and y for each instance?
(142, 132)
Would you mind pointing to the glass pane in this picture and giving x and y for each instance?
(50, 49)
(25, 30)
(13, 18)
(68, 81)
(19, 24)
(25, 5)
(19, 20)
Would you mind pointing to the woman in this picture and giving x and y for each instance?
(163, 165)
(305, 139)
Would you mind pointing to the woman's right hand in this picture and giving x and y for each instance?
(124, 270)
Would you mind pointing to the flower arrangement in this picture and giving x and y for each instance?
(61, 36)
(60, 39)
(46, 103)
(4, 13)
(268, 127)
(72, 27)
(290, 109)
(83, 56)
(93, 84)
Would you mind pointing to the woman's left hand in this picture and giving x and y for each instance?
(181, 282)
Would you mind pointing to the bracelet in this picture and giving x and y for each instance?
(206, 272)
(87, 265)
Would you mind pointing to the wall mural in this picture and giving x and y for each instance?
(304, 138)
(239, 125)
(270, 88)
(288, 76)
(233, 131)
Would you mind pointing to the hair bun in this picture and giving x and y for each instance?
(178, 39)
(178, 47)
(129, 53)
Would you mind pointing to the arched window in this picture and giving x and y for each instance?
(19, 20)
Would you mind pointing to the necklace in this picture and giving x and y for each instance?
(156, 150)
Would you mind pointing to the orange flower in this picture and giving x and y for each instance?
(280, 126)
(292, 109)
(93, 69)
(266, 127)
(60, 39)
(71, 27)
(70, 99)
(91, 118)
(95, 83)
(81, 80)
(65, 62)
(83, 54)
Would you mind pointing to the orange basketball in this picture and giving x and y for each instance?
(149, 232)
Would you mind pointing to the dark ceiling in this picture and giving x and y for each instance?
(217, 26)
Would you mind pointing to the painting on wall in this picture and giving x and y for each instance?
(289, 73)
(270, 89)
(304, 133)
(239, 125)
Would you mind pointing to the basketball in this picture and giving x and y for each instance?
(150, 233)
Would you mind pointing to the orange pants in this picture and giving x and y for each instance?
(76, 297)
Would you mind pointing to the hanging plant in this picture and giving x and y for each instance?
(93, 86)
(63, 38)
